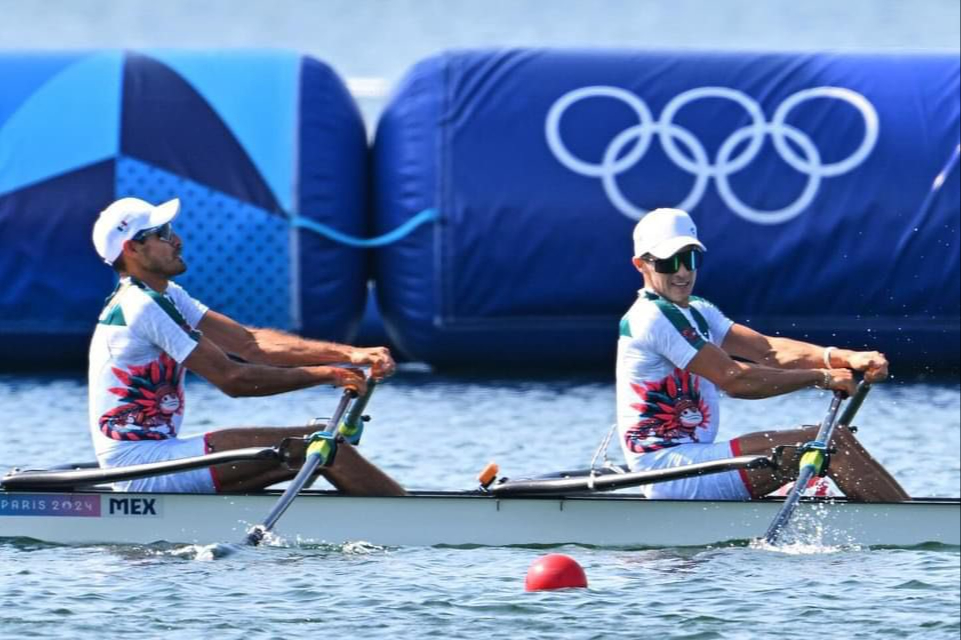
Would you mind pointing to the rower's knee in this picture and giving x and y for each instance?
(844, 439)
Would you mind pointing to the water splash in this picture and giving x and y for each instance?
(223, 550)
(203, 552)
(807, 533)
(349, 548)
(801, 548)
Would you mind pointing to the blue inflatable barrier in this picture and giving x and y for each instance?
(825, 187)
(255, 144)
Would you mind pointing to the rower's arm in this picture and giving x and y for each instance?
(785, 353)
(269, 346)
(782, 353)
(272, 347)
(749, 380)
(241, 379)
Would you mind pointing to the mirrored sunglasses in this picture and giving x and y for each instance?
(163, 232)
(691, 258)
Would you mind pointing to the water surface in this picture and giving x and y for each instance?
(435, 431)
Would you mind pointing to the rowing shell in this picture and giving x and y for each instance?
(462, 518)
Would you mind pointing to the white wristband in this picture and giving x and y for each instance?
(827, 357)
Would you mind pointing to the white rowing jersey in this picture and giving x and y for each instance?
(136, 375)
(659, 403)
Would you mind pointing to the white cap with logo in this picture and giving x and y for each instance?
(126, 217)
(664, 232)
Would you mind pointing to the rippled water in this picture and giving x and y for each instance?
(436, 431)
(456, 593)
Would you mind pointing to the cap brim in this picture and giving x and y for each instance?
(164, 213)
(669, 247)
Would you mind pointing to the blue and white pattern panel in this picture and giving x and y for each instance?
(238, 256)
(233, 134)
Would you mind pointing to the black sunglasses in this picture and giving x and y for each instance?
(691, 258)
(164, 232)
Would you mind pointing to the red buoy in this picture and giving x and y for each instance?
(555, 571)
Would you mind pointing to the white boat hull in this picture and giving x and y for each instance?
(431, 518)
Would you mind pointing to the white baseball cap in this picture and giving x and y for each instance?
(126, 217)
(664, 232)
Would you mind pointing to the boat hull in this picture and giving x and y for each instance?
(457, 518)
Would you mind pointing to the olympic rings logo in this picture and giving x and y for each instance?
(697, 163)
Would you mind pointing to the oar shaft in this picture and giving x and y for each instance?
(790, 504)
(69, 479)
(356, 413)
(826, 428)
(811, 463)
(353, 426)
(855, 403)
(568, 484)
(303, 476)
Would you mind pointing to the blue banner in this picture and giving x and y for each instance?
(825, 188)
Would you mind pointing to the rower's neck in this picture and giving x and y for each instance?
(155, 282)
(650, 290)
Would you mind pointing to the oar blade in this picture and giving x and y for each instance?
(255, 536)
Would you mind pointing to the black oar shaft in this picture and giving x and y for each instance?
(356, 413)
(300, 480)
(39, 480)
(856, 401)
(583, 482)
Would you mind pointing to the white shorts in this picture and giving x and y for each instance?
(129, 453)
(728, 485)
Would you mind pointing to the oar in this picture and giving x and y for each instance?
(353, 425)
(813, 459)
(856, 401)
(567, 483)
(318, 452)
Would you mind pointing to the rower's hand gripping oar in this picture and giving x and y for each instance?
(814, 457)
(321, 448)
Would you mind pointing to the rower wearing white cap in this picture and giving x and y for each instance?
(151, 331)
(674, 354)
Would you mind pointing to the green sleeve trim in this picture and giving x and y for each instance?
(113, 316)
(625, 328)
(170, 309)
(701, 321)
(680, 322)
(112, 313)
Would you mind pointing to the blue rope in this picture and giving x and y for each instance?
(425, 216)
